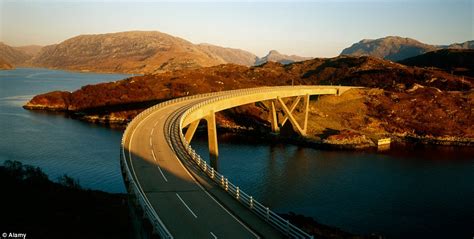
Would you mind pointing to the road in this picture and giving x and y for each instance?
(186, 208)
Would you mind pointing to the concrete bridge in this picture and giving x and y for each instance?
(182, 195)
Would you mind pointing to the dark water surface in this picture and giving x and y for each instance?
(406, 192)
(420, 192)
(55, 143)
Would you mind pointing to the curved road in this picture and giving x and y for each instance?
(183, 201)
(186, 208)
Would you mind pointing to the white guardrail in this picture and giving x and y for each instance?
(264, 212)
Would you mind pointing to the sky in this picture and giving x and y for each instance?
(306, 28)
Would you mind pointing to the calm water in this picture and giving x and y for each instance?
(56, 144)
(403, 193)
(421, 192)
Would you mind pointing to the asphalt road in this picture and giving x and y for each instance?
(186, 208)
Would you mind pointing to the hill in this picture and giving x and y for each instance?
(31, 50)
(367, 113)
(392, 48)
(134, 52)
(4, 65)
(457, 61)
(12, 55)
(396, 48)
(230, 55)
(275, 56)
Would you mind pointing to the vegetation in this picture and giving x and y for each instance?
(41, 208)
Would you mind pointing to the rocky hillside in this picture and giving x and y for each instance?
(136, 51)
(396, 48)
(13, 56)
(230, 55)
(31, 50)
(275, 56)
(4, 65)
(464, 45)
(458, 61)
(359, 116)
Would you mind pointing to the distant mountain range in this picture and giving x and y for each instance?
(275, 56)
(396, 48)
(142, 52)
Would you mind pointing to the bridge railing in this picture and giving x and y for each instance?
(134, 187)
(256, 207)
(237, 193)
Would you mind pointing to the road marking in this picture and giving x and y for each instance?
(186, 205)
(215, 200)
(212, 234)
(158, 166)
(155, 122)
(151, 143)
(152, 130)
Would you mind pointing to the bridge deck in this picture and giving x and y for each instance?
(189, 209)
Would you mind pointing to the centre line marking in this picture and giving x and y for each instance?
(186, 205)
(152, 130)
(151, 144)
(158, 166)
(212, 234)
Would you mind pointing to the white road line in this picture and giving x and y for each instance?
(151, 143)
(186, 205)
(158, 166)
(212, 234)
(155, 122)
(218, 203)
(152, 130)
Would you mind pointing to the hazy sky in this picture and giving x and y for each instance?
(307, 28)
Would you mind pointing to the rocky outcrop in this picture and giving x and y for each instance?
(275, 56)
(396, 48)
(53, 101)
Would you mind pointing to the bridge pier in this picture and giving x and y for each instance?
(274, 119)
(212, 136)
(289, 114)
(191, 130)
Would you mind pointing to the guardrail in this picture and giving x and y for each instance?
(264, 212)
(238, 194)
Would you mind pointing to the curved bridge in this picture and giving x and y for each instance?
(181, 194)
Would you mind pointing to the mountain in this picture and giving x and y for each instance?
(464, 45)
(230, 55)
(12, 55)
(275, 56)
(392, 48)
(133, 52)
(31, 50)
(458, 61)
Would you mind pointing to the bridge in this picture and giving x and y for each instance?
(180, 194)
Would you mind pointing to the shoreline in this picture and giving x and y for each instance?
(397, 138)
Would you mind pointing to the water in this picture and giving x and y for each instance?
(425, 192)
(408, 192)
(55, 143)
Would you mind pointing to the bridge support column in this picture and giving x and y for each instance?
(292, 108)
(288, 113)
(191, 130)
(306, 112)
(212, 136)
(274, 119)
